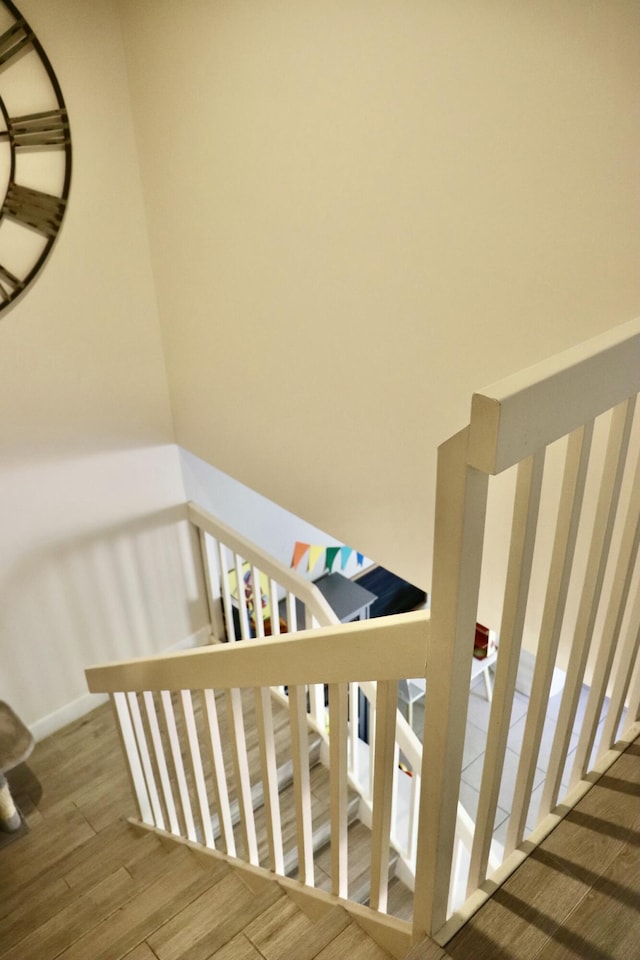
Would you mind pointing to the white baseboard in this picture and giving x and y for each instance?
(201, 638)
(78, 708)
(65, 715)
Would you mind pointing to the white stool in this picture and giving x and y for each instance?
(412, 690)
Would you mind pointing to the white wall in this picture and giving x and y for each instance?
(260, 520)
(360, 211)
(92, 544)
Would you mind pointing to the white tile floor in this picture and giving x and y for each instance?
(475, 745)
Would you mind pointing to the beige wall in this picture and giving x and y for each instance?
(91, 545)
(360, 212)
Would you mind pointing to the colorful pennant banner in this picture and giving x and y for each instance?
(314, 552)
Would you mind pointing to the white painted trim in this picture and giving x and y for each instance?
(514, 417)
(67, 714)
(391, 933)
(72, 711)
(325, 655)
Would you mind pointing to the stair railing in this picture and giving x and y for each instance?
(230, 559)
(182, 722)
(569, 431)
(247, 589)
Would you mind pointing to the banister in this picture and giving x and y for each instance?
(514, 417)
(288, 578)
(343, 652)
(406, 738)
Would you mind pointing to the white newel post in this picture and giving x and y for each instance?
(461, 500)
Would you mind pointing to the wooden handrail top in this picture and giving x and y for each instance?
(290, 579)
(387, 648)
(514, 417)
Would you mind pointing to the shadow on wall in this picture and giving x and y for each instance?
(123, 591)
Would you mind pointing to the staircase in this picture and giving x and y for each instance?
(358, 834)
(564, 440)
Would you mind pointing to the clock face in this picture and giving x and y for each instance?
(35, 155)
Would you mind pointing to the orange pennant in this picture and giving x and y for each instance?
(299, 551)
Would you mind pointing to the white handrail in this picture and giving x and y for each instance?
(518, 415)
(335, 654)
(290, 579)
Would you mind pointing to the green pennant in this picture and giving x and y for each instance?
(332, 553)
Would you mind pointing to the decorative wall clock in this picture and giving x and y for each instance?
(35, 155)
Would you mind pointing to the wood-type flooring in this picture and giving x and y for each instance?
(83, 884)
(577, 897)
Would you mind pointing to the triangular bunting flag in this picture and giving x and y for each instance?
(315, 552)
(360, 559)
(345, 553)
(332, 553)
(299, 551)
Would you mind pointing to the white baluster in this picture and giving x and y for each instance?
(241, 766)
(218, 772)
(143, 750)
(386, 707)
(571, 497)
(161, 762)
(338, 787)
(196, 767)
(301, 785)
(130, 747)
(268, 759)
(176, 755)
(523, 534)
(602, 532)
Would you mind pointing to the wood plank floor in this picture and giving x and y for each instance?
(578, 894)
(84, 885)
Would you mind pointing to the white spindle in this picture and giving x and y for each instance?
(292, 616)
(338, 787)
(218, 773)
(523, 535)
(316, 690)
(413, 816)
(145, 759)
(226, 591)
(605, 514)
(212, 581)
(613, 620)
(383, 762)
(397, 842)
(256, 590)
(371, 705)
(134, 765)
(301, 785)
(241, 767)
(354, 719)
(627, 658)
(176, 755)
(266, 742)
(161, 763)
(275, 609)
(243, 613)
(196, 767)
(569, 510)
(633, 712)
